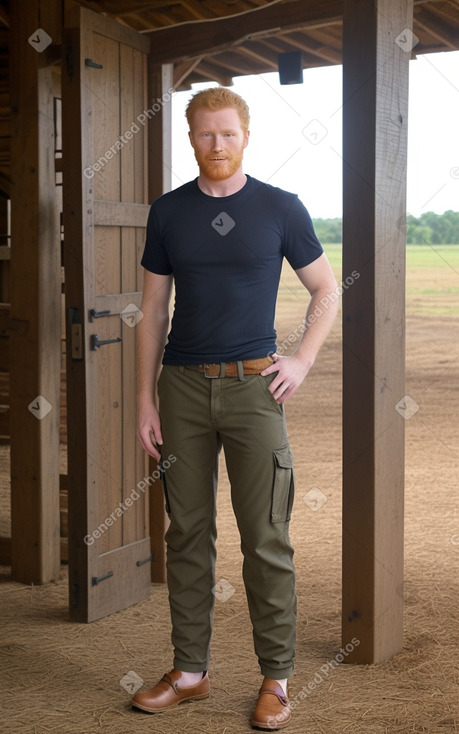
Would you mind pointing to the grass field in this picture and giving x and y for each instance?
(432, 278)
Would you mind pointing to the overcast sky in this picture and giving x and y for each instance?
(296, 135)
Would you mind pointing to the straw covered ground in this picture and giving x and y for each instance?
(64, 678)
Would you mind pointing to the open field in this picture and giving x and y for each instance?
(432, 277)
(65, 678)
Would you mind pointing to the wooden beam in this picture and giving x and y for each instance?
(438, 27)
(251, 54)
(212, 69)
(197, 9)
(376, 52)
(5, 551)
(35, 299)
(313, 47)
(5, 184)
(121, 8)
(4, 18)
(183, 70)
(160, 80)
(177, 43)
(10, 325)
(219, 65)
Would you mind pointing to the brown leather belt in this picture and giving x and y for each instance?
(232, 369)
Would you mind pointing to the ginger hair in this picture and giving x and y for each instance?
(218, 98)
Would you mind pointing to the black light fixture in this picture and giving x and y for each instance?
(290, 67)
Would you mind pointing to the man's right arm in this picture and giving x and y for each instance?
(152, 332)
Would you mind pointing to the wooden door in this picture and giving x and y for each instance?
(104, 101)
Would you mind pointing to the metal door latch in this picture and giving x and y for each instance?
(145, 560)
(95, 343)
(93, 314)
(92, 64)
(97, 579)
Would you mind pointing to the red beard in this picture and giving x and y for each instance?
(219, 170)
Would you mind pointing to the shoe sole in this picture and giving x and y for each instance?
(261, 726)
(171, 705)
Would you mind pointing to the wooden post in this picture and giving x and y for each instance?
(160, 81)
(35, 295)
(376, 52)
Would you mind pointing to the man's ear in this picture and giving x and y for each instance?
(246, 138)
(190, 138)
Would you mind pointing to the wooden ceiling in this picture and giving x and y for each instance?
(216, 40)
(219, 39)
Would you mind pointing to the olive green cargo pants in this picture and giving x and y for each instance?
(199, 415)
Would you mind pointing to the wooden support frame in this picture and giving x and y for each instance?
(182, 42)
(160, 82)
(376, 52)
(35, 297)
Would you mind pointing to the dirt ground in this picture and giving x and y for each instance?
(64, 678)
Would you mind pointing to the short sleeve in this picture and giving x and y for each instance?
(154, 256)
(300, 243)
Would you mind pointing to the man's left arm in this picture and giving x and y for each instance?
(319, 280)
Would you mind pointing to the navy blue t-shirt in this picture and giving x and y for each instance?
(225, 254)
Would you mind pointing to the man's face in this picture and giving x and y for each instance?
(218, 141)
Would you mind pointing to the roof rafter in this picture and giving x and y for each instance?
(177, 43)
(437, 26)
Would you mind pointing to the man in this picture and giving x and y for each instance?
(222, 238)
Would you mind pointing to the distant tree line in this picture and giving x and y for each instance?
(428, 229)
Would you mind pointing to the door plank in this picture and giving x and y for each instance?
(108, 531)
(120, 213)
(134, 582)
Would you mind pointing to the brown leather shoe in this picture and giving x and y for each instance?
(272, 711)
(167, 693)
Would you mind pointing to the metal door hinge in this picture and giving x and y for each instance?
(76, 333)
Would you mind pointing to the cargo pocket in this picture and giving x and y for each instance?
(283, 485)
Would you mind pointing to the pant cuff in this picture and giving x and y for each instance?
(276, 673)
(190, 667)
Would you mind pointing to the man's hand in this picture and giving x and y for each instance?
(319, 280)
(149, 429)
(291, 373)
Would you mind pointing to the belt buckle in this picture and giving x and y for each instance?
(205, 366)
